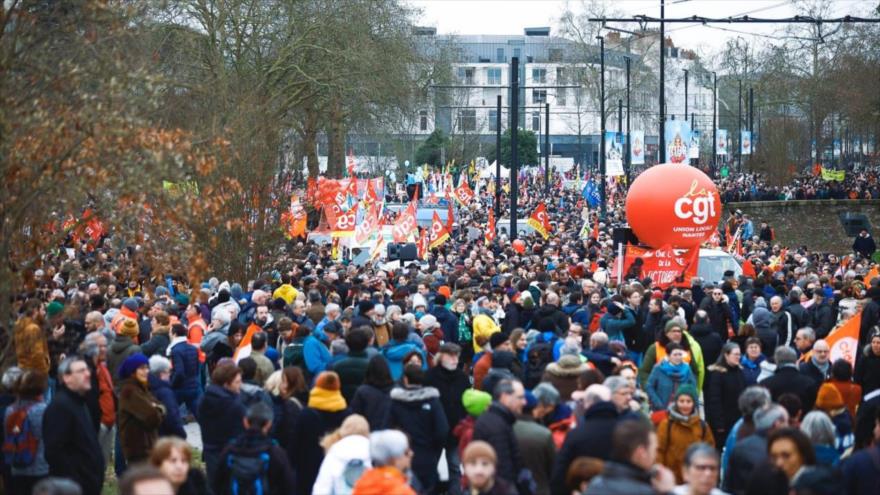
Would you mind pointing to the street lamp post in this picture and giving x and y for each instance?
(714, 121)
(547, 148)
(602, 163)
(661, 139)
(498, 157)
(686, 95)
(514, 151)
(627, 157)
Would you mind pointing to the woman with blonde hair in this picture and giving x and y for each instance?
(346, 457)
(172, 456)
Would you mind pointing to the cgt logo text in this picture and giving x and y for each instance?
(696, 205)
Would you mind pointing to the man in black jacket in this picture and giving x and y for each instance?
(822, 315)
(254, 455)
(632, 469)
(788, 379)
(549, 317)
(720, 314)
(448, 378)
(71, 442)
(495, 426)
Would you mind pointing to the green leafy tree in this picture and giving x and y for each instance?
(430, 151)
(528, 149)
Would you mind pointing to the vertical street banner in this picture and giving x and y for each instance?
(613, 154)
(678, 136)
(722, 142)
(745, 143)
(694, 145)
(637, 150)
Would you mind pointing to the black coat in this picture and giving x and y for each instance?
(870, 319)
(417, 412)
(312, 425)
(448, 323)
(495, 426)
(591, 438)
(720, 315)
(252, 444)
(811, 370)
(710, 342)
(722, 388)
(284, 426)
(789, 379)
(748, 454)
(71, 442)
(799, 317)
(621, 479)
(822, 319)
(867, 373)
(864, 246)
(374, 404)
(550, 318)
(172, 424)
(220, 417)
(351, 370)
(451, 385)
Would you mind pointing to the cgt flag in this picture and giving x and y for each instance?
(405, 225)
(439, 234)
(540, 221)
(490, 227)
(463, 193)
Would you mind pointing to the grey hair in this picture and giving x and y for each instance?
(10, 376)
(818, 426)
(808, 333)
(57, 486)
(615, 383)
(570, 346)
(784, 355)
(503, 387)
(332, 308)
(596, 393)
(598, 338)
(95, 315)
(89, 345)
(701, 316)
(387, 445)
(159, 364)
(338, 347)
(752, 399)
(546, 394)
(699, 449)
(765, 418)
(64, 367)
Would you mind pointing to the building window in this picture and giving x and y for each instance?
(493, 120)
(539, 96)
(560, 97)
(517, 52)
(561, 75)
(423, 120)
(555, 55)
(499, 55)
(466, 75)
(467, 120)
(536, 121)
(539, 76)
(494, 75)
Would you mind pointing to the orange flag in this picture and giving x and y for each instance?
(439, 234)
(596, 229)
(422, 245)
(540, 220)
(405, 225)
(463, 193)
(490, 228)
(844, 340)
(875, 272)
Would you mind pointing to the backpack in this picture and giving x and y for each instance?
(248, 475)
(20, 444)
(352, 472)
(294, 355)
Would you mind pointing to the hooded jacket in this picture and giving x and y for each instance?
(220, 417)
(417, 412)
(664, 380)
(348, 450)
(394, 353)
(675, 434)
(121, 348)
(252, 444)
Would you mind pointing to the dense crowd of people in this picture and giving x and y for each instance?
(480, 370)
(862, 184)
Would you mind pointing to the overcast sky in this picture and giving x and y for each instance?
(511, 16)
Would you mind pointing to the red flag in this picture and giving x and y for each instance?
(463, 193)
(439, 234)
(405, 225)
(748, 269)
(450, 215)
(596, 229)
(344, 223)
(371, 196)
(351, 162)
(490, 227)
(365, 229)
(540, 220)
(422, 245)
(665, 266)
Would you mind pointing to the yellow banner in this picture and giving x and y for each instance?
(837, 175)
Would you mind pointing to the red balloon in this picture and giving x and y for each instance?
(673, 204)
(519, 246)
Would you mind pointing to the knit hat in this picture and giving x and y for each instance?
(54, 308)
(829, 398)
(497, 339)
(325, 395)
(129, 328)
(365, 307)
(419, 300)
(478, 449)
(130, 304)
(689, 390)
(613, 308)
(475, 401)
(445, 290)
(327, 380)
(673, 323)
(428, 322)
(131, 364)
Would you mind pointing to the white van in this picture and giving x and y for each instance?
(713, 264)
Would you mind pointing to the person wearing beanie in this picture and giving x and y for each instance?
(122, 348)
(475, 403)
(128, 310)
(416, 410)
(365, 312)
(681, 428)
(667, 376)
(830, 401)
(497, 342)
(432, 335)
(674, 332)
(400, 347)
(479, 461)
(54, 309)
(140, 413)
(447, 319)
(325, 413)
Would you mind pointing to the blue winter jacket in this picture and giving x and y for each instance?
(664, 380)
(185, 371)
(316, 355)
(172, 424)
(394, 353)
(614, 326)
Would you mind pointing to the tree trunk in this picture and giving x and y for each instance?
(336, 140)
(310, 142)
